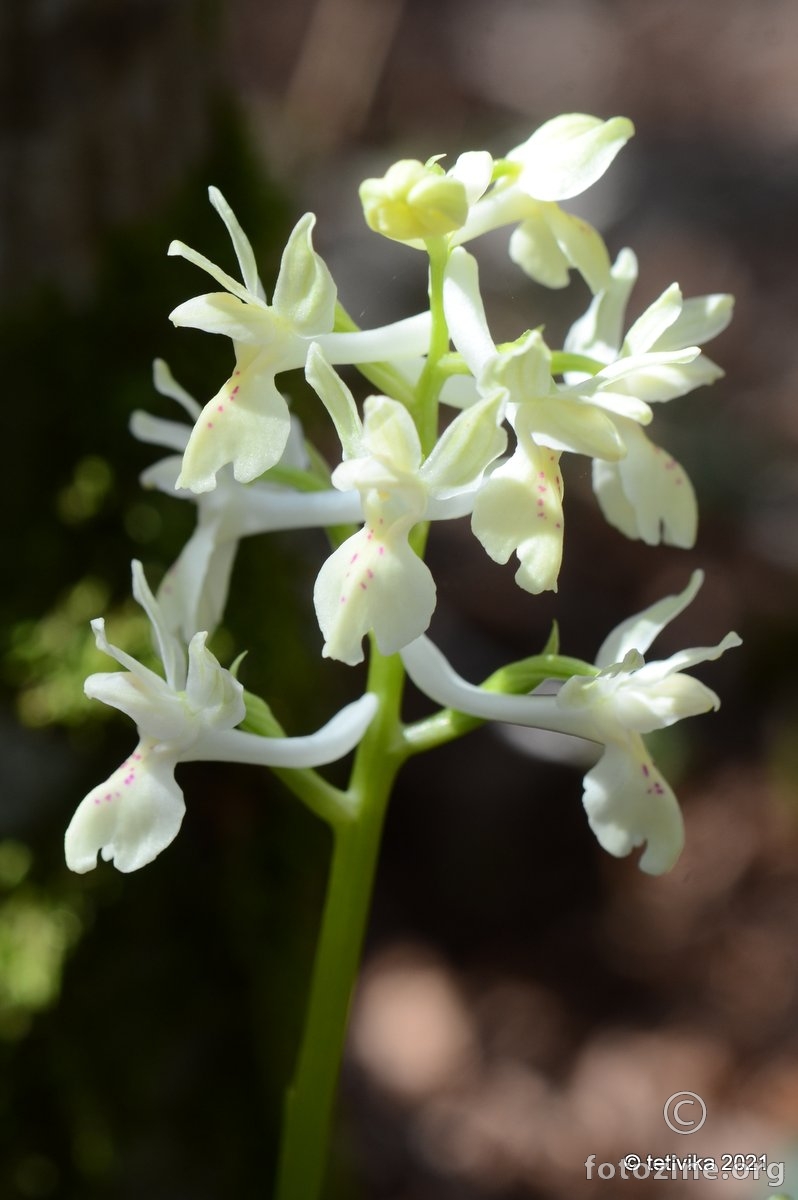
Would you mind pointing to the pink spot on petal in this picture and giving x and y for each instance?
(646, 771)
(353, 558)
(210, 424)
(220, 408)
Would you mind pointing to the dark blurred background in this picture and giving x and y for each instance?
(526, 1000)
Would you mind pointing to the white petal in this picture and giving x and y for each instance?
(157, 711)
(337, 399)
(668, 381)
(211, 691)
(131, 817)
(465, 312)
(523, 369)
(372, 583)
(701, 319)
(205, 264)
(305, 292)
(683, 660)
(503, 205)
(660, 496)
(165, 383)
(562, 423)
(390, 435)
(629, 804)
(632, 697)
(246, 423)
(193, 592)
(170, 651)
(465, 449)
(459, 391)
(148, 680)
(599, 331)
(603, 393)
(582, 245)
(519, 508)
(241, 243)
(172, 435)
(651, 325)
(569, 153)
(164, 474)
(651, 377)
(473, 169)
(243, 321)
(615, 505)
(643, 705)
(535, 249)
(638, 632)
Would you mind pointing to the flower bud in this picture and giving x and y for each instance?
(414, 201)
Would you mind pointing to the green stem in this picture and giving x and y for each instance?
(425, 404)
(310, 1099)
(562, 361)
(357, 829)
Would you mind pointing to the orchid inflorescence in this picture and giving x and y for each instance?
(511, 412)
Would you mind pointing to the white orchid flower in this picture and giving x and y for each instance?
(519, 507)
(628, 802)
(375, 581)
(561, 159)
(646, 494)
(247, 422)
(194, 590)
(187, 715)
